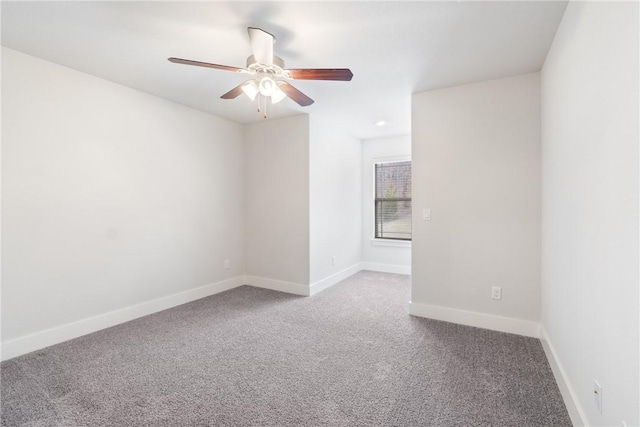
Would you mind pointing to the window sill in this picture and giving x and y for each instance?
(391, 242)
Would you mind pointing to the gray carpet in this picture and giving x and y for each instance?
(349, 356)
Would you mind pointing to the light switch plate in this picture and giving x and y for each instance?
(597, 396)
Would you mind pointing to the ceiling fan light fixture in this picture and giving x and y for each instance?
(268, 75)
(250, 88)
(267, 86)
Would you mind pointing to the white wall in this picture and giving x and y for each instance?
(335, 199)
(276, 164)
(476, 165)
(110, 197)
(590, 206)
(378, 256)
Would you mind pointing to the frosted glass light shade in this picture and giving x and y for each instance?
(250, 88)
(277, 96)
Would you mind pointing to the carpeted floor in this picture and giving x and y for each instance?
(349, 356)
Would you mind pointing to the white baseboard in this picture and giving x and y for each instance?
(327, 282)
(278, 285)
(479, 320)
(58, 334)
(386, 268)
(576, 413)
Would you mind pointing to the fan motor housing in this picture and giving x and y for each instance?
(277, 63)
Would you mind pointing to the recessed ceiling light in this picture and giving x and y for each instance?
(381, 123)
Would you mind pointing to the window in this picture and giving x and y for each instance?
(393, 200)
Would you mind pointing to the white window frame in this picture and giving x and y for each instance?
(397, 243)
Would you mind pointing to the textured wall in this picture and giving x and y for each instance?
(335, 194)
(276, 189)
(476, 165)
(110, 197)
(590, 206)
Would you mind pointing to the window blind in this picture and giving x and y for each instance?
(393, 200)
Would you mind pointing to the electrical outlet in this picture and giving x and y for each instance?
(333, 260)
(597, 396)
(227, 264)
(496, 292)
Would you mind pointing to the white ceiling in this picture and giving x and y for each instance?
(393, 48)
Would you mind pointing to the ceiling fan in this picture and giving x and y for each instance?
(269, 78)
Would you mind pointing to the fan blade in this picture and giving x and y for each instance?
(205, 64)
(295, 94)
(343, 74)
(261, 45)
(233, 93)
